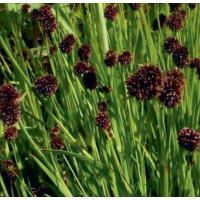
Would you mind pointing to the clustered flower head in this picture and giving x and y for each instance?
(111, 12)
(192, 6)
(56, 142)
(125, 58)
(85, 52)
(9, 167)
(11, 133)
(135, 6)
(45, 16)
(67, 44)
(9, 108)
(52, 50)
(102, 106)
(111, 59)
(195, 63)
(189, 139)
(25, 8)
(175, 6)
(161, 21)
(80, 67)
(181, 57)
(105, 89)
(55, 131)
(175, 21)
(90, 79)
(146, 83)
(172, 93)
(25, 54)
(171, 44)
(103, 121)
(46, 85)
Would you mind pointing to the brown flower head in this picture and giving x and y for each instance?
(135, 6)
(189, 139)
(12, 173)
(46, 85)
(171, 44)
(102, 106)
(11, 133)
(85, 52)
(80, 67)
(111, 12)
(25, 8)
(90, 79)
(35, 14)
(25, 54)
(195, 63)
(175, 21)
(125, 58)
(103, 121)
(56, 143)
(105, 89)
(162, 20)
(9, 93)
(175, 6)
(67, 44)
(6, 164)
(111, 59)
(55, 131)
(146, 83)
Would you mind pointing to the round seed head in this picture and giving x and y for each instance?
(55, 131)
(102, 106)
(52, 50)
(35, 14)
(125, 58)
(146, 83)
(80, 67)
(66, 46)
(111, 12)
(25, 8)
(192, 6)
(171, 44)
(12, 173)
(56, 143)
(175, 21)
(175, 6)
(135, 6)
(84, 52)
(189, 139)
(6, 164)
(90, 79)
(105, 89)
(11, 133)
(46, 85)
(49, 24)
(195, 63)
(25, 54)
(103, 121)
(174, 84)
(111, 59)
(162, 20)
(183, 13)
(181, 57)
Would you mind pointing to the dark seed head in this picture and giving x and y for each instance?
(174, 84)
(25, 8)
(111, 59)
(25, 54)
(49, 24)
(90, 79)
(6, 164)
(162, 20)
(35, 14)
(103, 121)
(175, 21)
(111, 12)
(12, 173)
(192, 6)
(52, 50)
(175, 6)
(80, 67)
(67, 44)
(125, 58)
(135, 6)
(105, 89)
(171, 44)
(55, 131)
(102, 106)
(11, 133)
(56, 143)
(9, 93)
(183, 13)
(46, 85)
(84, 52)
(195, 63)
(189, 139)
(146, 83)
(181, 57)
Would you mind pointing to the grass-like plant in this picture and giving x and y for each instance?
(99, 100)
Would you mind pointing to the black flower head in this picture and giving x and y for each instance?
(192, 6)
(171, 44)
(9, 93)
(125, 58)
(55, 131)
(52, 50)
(111, 59)
(105, 89)
(46, 85)
(175, 6)
(6, 164)
(9, 112)
(25, 8)
(80, 67)
(181, 57)
(183, 13)
(195, 63)
(84, 52)
(189, 139)
(111, 12)
(67, 44)
(12, 173)
(25, 54)
(49, 24)
(146, 83)
(175, 21)
(103, 121)
(162, 20)
(35, 14)
(90, 79)
(11, 133)
(102, 106)
(135, 6)
(56, 143)
(174, 84)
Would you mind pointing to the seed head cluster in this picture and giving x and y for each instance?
(105, 89)
(189, 139)
(9, 167)
(80, 67)
(90, 79)
(102, 106)
(135, 6)
(85, 52)
(25, 8)
(175, 21)
(175, 7)
(67, 44)
(146, 83)
(161, 21)
(11, 133)
(56, 142)
(111, 12)
(111, 59)
(103, 121)
(125, 58)
(172, 93)
(46, 85)
(195, 63)
(171, 44)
